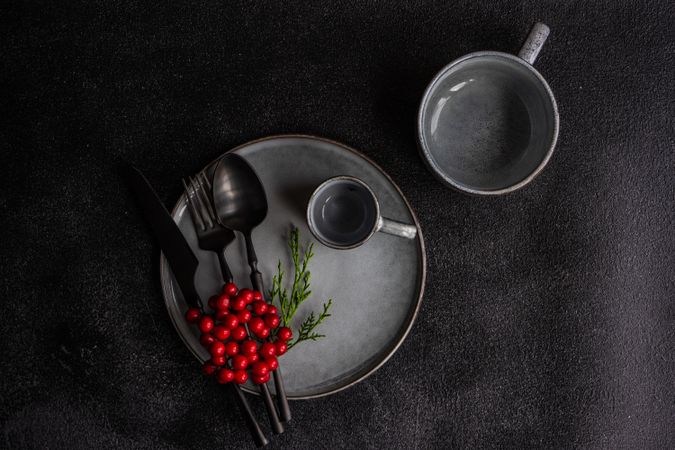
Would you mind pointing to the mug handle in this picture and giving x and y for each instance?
(534, 42)
(396, 228)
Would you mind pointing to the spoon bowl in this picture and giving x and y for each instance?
(238, 194)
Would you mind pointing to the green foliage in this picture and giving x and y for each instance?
(300, 291)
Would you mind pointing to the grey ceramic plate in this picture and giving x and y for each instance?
(376, 288)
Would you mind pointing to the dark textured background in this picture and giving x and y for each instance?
(548, 318)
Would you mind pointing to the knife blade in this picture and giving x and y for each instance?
(178, 253)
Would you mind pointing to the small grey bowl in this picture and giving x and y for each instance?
(488, 122)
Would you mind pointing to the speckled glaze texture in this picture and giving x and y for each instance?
(376, 289)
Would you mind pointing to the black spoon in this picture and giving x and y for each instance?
(241, 205)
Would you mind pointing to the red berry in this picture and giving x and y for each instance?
(237, 304)
(257, 295)
(261, 380)
(220, 332)
(239, 362)
(268, 349)
(192, 315)
(248, 347)
(221, 313)
(239, 333)
(259, 308)
(244, 316)
(217, 349)
(225, 376)
(206, 324)
(260, 369)
(230, 289)
(212, 301)
(222, 302)
(271, 309)
(271, 320)
(240, 376)
(281, 347)
(206, 339)
(208, 369)
(230, 321)
(284, 333)
(255, 325)
(231, 348)
(218, 361)
(272, 362)
(263, 333)
(247, 295)
(253, 358)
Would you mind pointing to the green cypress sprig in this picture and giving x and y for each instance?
(300, 292)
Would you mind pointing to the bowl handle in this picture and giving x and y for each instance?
(534, 42)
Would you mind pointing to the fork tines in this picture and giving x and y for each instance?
(197, 191)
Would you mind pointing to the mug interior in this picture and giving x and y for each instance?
(487, 123)
(342, 212)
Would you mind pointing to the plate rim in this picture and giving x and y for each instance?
(163, 264)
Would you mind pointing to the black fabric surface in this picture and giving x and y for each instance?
(548, 318)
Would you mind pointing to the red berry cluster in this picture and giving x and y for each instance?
(235, 336)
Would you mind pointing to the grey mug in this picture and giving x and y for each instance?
(488, 122)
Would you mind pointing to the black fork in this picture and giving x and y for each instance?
(214, 237)
(211, 235)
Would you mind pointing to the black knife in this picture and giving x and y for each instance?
(178, 253)
(183, 263)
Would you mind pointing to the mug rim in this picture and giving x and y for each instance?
(424, 147)
(312, 225)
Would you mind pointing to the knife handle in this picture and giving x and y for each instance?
(277, 427)
(245, 409)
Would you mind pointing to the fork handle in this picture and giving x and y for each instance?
(224, 268)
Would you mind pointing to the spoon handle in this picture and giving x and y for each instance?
(240, 398)
(224, 268)
(282, 401)
(257, 281)
(275, 423)
(256, 276)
